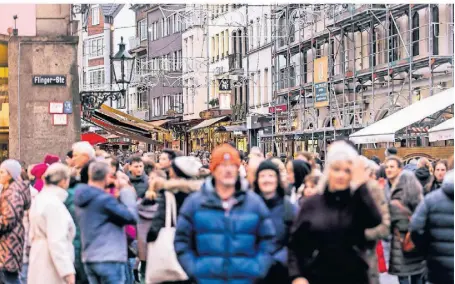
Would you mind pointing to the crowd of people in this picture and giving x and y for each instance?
(227, 217)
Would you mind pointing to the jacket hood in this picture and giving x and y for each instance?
(85, 194)
(422, 174)
(448, 184)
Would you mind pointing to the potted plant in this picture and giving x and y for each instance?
(214, 102)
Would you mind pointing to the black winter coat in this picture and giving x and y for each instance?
(402, 263)
(432, 232)
(327, 243)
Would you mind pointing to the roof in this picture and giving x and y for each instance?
(384, 130)
(443, 131)
(111, 10)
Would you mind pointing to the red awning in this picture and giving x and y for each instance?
(93, 138)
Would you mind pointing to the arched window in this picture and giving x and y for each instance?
(435, 24)
(393, 42)
(415, 34)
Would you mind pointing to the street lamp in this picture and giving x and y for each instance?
(120, 62)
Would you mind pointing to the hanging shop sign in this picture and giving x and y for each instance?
(277, 109)
(321, 67)
(49, 80)
(224, 85)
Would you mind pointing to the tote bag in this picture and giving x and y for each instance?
(162, 263)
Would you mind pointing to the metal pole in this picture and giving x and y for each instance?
(247, 73)
(208, 53)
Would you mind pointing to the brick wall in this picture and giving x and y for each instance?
(96, 62)
(97, 29)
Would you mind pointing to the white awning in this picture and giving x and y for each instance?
(384, 130)
(207, 123)
(443, 131)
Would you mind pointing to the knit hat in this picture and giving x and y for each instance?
(186, 167)
(50, 159)
(13, 168)
(224, 153)
(38, 172)
(268, 165)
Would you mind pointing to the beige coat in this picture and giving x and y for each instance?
(52, 231)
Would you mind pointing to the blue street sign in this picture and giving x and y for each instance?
(68, 107)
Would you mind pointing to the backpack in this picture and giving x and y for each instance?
(406, 243)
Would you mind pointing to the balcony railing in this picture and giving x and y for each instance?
(134, 42)
(235, 62)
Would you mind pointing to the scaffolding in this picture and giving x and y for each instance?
(380, 58)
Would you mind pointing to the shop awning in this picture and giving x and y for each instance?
(93, 138)
(232, 128)
(159, 123)
(443, 131)
(208, 122)
(124, 125)
(385, 129)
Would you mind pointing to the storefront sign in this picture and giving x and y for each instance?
(320, 94)
(52, 80)
(278, 108)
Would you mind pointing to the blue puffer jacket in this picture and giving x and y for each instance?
(218, 246)
(432, 231)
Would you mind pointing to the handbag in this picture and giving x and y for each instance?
(162, 263)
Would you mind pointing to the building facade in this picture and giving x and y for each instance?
(339, 68)
(41, 46)
(97, 36)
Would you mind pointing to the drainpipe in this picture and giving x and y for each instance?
(19, 100)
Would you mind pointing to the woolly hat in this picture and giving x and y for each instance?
(186, 167)
(268, 165)
(38, 172)
(13, 168)
(224, 153)
(50, 159)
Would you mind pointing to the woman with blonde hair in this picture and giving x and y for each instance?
(328, 243)
(52, 231)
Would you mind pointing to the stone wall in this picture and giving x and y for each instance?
(32, 134)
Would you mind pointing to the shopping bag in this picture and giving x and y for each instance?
(162, 263)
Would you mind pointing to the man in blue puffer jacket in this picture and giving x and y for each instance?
(224, 231)
(432, 231)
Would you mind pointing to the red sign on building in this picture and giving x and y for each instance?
(278, 108)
